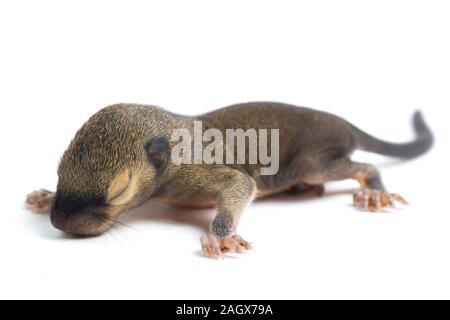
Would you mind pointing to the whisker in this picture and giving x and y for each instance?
(109, 233)
(125, 225)
(116, 229)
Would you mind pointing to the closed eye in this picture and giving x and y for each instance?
(118, 193)
(123, 189)
(119, 186)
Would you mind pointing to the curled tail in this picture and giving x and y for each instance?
(422, 143)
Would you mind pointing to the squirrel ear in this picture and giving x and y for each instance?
(158, 152)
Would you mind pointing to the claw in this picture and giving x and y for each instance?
(210, 247)
(366, 201)
(378, 204)
(215, 248)
(399, 198)
(375, 200)
(242, 243)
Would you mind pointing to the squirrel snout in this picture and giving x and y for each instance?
(79, 224)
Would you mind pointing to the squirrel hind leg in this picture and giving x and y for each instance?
(373, 195)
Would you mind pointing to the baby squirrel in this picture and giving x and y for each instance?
(121, 157)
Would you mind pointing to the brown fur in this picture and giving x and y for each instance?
(118, 160)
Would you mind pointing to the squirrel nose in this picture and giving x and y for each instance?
(77, 224)
(59, 219)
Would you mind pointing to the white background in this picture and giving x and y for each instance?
(372, 62)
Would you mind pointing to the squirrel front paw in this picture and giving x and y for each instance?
(40, 201)
(215, 248)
